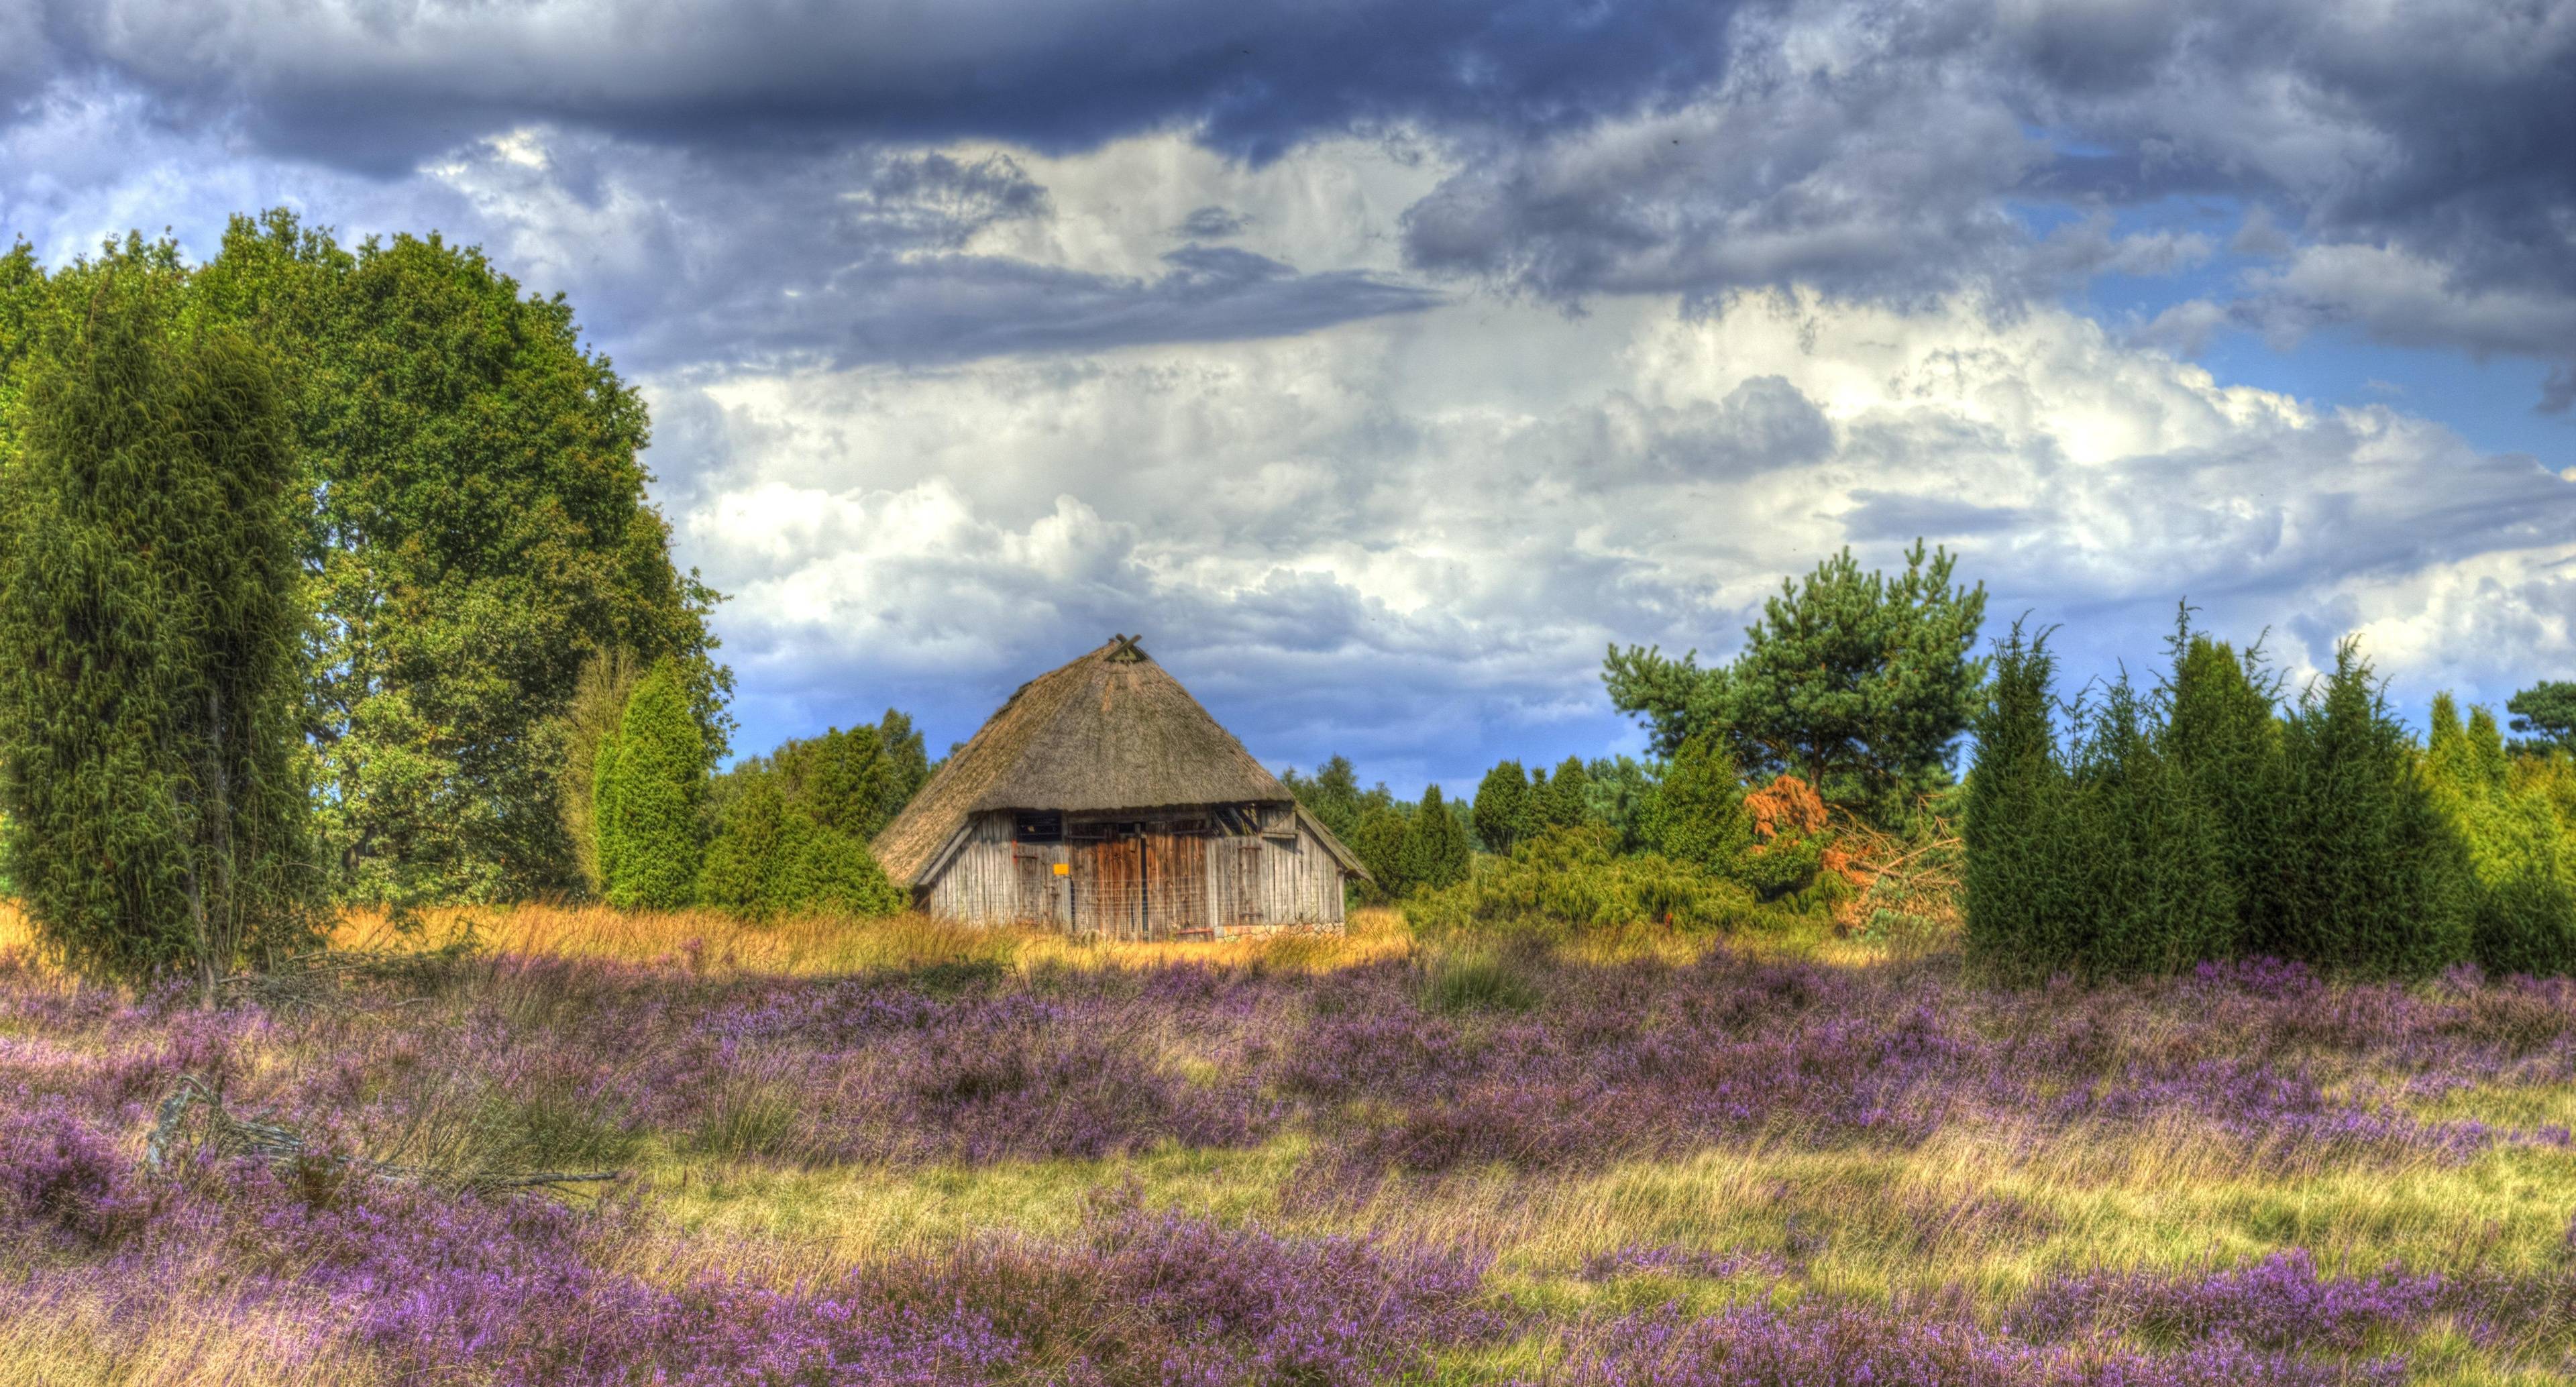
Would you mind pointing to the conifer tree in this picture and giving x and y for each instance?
(1379, 842)
(1698, 813)
(649, 783)
(1502, 813)
(772, 858)
(2152, 867)
(2021, 918)
(2224, 741)
(2521, 905)
(1436, 853)
(149, 637)
(1858, 683)
(598, 705)
(2374, 878)
(1569, 796)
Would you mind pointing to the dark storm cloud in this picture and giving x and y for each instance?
(382, 84)
(1857, 146)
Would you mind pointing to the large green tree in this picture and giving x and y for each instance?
(478, 529)
(149, 626)
(1855, 681)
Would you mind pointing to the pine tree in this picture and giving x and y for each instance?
(1436, 853)
(2374, 878)
(149, 638)
(649, 784)
(1856, 682)
(1502, 814)
(1698, 814)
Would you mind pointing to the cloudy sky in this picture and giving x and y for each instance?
(1382, 361)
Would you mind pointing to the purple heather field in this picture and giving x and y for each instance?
(1233, 1172)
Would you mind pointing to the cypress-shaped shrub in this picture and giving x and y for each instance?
(1435, 845)
(1698, 815)
(2018, 821)
(648, 783)
(742, 859)
(2522, 912)
(1378, 842)
(2223, 737)
(2152, 868)
(1568, 803)
(1503, 811)
(2374, 879)
(150, 666)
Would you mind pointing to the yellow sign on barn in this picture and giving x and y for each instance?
(1063, 869)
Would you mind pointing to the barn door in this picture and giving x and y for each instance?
(1109, 888)
(1176, 894)
(1041, 889)
(1241, 905)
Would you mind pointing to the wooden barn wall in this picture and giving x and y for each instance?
(1160, 886)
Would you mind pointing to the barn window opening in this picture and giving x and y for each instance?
(1038, 828)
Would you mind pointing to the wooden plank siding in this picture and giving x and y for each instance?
(1142, 880)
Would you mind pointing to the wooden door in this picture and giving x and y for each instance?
(1240, 902)
(1109, 888)
(1041, 890)
(1176, 894)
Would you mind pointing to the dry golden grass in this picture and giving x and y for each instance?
(75, 1341)
(712, 943)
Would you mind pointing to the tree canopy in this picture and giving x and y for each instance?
(478, 529)
(1856, 682)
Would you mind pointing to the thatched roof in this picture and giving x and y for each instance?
(1110, 731)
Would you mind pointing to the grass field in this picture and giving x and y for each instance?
(900, 1152)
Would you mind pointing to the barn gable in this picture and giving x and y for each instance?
(1110, 732)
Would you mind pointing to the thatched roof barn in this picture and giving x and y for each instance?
(1103, 800)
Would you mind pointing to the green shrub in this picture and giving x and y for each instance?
(2522, 910)
(1569, 881)
(1698, 815)
(771, 858)
(648, 781)
(2374, 879)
